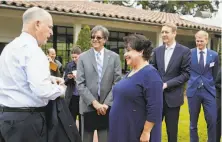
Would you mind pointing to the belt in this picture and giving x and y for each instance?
(22, 109)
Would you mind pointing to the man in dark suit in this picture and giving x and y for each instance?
(201, 87)
(98, 69)
(172, 61)
(218, 98)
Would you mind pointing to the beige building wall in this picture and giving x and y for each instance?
(9, 29)
(187, 40)
(152, 37)
(11, 25)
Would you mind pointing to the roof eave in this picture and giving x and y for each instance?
(101, 17)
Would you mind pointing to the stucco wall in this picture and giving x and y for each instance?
(11, 25)
(9, 28)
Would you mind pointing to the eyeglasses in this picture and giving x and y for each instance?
(96, 37)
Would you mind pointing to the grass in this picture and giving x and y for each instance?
(184, 122)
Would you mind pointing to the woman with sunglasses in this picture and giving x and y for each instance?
(136, 113)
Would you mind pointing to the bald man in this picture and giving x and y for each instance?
(201, 87)
(51, 53)
(25, 83)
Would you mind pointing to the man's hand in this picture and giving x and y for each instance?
(164, 86)
(105, 106)
(50, 59)
(103, 110)
(100, 108)
(60, 81)
(57, 80)
(70, 76)
(145, 137)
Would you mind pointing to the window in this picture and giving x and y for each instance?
(116, 44)
(62, 41)
(2, 45)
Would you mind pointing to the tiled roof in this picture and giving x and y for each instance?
(115, 12)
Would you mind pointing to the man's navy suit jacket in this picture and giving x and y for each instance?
(207, 76)
(176, 74)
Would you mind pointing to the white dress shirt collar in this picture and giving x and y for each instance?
(204, 50)
(101, 52)
(101, 56)
(171, 46)
(29, 37)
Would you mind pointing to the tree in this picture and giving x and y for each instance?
(84, 38)
(127, 3)
(180, 7)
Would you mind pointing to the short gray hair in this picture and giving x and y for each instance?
(34, 13)
(104, 31)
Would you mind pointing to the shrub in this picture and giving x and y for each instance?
(84, 38)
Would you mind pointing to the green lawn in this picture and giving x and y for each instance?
(184, 122)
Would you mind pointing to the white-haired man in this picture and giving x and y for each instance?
(25, 83)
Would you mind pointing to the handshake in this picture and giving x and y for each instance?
(100, 108)
(57, 80)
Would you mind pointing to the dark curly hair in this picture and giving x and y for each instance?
(139, 43)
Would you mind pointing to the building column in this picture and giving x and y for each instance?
(76, 31)
(209, 42)
(159, 40)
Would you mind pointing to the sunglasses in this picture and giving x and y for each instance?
(96, 37)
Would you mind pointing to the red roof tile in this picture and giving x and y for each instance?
(114, 12)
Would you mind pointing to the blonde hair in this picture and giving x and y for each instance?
(171, 25)
(202, 33)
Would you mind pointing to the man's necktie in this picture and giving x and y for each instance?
(99, 68)
(201, 61)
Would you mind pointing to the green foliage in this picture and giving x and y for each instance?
(115, 2)
(176, 6)
(84, 38)
(181, 7)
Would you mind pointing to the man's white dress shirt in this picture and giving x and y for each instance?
(102, 54)
(168, 53)
(25, 76)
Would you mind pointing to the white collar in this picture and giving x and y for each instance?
(204, 50)
(30, 37)
(172, 46)
(101, 51)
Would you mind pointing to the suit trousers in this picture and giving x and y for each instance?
(23, 127)
(171, 116)
(208, 101)
(88, 136)
(218, 119)
(74, 109)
